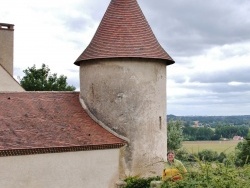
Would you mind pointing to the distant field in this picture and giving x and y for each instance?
(219, 146)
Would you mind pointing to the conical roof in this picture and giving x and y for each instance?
(124, 32)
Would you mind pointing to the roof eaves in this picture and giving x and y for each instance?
(33, 151)
(168, 61)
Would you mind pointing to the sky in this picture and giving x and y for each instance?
(209, 41)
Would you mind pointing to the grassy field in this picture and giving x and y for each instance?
(219, 146)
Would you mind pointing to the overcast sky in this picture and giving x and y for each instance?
(209, 41)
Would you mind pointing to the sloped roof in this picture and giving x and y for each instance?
(42, 122)
(124, 32)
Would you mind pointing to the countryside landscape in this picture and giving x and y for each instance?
(214, 149)
(218, 133)
(107, 126)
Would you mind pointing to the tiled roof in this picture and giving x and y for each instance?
(124, 32)
(40, 122)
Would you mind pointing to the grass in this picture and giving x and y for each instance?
(219, 146)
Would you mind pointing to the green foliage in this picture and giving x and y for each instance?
(200, 133)
(206, 133)
(204, 155)
(174, 135)
(212, 175)
(220, 173)
(213, 121)
(231, 131)
(222, 157)
(208, 155)
(41, 80)
(212, 127)
(184, 155)
(137, 182)
(202, 175)
(243, 154)
(189, 133)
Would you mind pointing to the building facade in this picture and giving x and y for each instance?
(7, 82)
(123, 85)
(113, 128)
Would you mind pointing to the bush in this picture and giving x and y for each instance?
(243, 152)
(222, 157)
(137, 182)
(205, 155)
(220, 173)
(213, 175)
(208, 155)
(184, 155)
(202, 174)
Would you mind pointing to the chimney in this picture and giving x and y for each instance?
(7, 46)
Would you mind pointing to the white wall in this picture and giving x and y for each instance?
(83, 169)
(6, 49)
(7, 82)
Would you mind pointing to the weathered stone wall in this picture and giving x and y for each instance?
(129, 96)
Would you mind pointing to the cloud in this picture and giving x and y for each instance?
(187, 27)
(209, 41)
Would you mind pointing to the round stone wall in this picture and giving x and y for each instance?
(129, 96)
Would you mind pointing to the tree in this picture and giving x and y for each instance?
(42, 80)
(174, 135)
(204, 133)
(189, 133)
(243, 155)
(231, 131)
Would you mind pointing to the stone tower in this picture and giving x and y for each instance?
(6, 46)
(123, 86)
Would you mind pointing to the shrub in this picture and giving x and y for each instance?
(243, 152)
(222, 157)
(184, 155)
(137, 182)
(208, 155)
(203, 174)
(213, 175)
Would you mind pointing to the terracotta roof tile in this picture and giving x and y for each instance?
(124, 32)
(35, 120)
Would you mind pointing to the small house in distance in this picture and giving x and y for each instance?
(238, 138)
